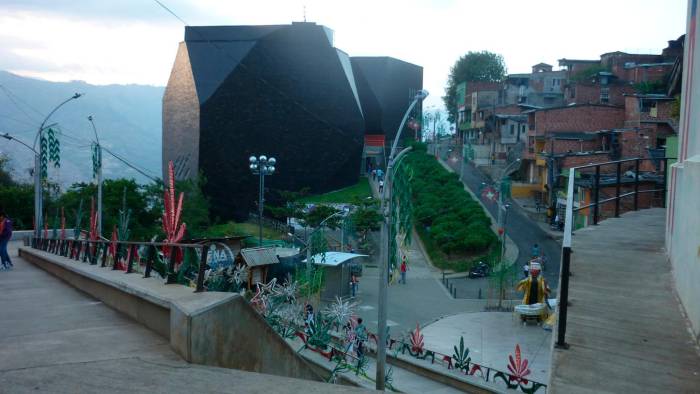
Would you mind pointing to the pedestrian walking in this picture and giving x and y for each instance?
(5, 235)
(361, 337)
(374, 175)
(381, 185)
(353, 284)
(380, 174)
(535, 251)
(404, 268)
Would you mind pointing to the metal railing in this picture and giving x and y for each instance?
(126, 255)
(338, 347)
(599, 179)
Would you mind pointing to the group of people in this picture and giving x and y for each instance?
(377, 175)
(5, 236)
(355, 331)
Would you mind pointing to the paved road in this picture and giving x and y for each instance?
(521, 229)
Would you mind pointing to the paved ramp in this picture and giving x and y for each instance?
(625, 326)
(56, 339)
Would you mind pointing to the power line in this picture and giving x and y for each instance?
(154, 179)
(9, 95)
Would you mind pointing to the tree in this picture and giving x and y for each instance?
(481, 66)
(366, 218)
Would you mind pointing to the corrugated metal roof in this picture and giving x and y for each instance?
(255, 257)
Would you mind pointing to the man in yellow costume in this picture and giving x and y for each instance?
(535, 289)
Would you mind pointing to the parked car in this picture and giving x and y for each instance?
(479, 270)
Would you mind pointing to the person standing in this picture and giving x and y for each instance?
(353, 285)
(5, 236)
(381, 185)
(403, 269)
(361, 337)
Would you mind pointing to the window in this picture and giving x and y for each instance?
(512, 129)
(604, 95)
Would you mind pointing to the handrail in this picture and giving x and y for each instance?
(565, 272)
(92, 251)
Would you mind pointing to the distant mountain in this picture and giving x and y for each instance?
(128, 120)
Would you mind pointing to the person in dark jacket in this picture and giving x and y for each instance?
(5, 235)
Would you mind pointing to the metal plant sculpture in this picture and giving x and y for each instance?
(78, 220)
(93, 220)
(417, 340)
(174, 230)
(63, 224)
(238, 275)
(124, 215)
(340, 311)
(54, 231)
(518, 367)
(461, 356)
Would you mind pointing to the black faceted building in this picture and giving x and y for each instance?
(282, 91)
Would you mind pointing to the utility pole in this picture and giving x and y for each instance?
(386, 202)
(38, 198)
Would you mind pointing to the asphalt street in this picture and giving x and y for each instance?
(520, 228)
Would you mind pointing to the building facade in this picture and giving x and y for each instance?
(283, 91)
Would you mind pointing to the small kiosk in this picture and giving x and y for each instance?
(338, 266)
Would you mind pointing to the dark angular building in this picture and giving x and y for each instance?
(282, 91)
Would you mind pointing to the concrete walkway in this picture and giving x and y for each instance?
(56, 339)
(625, 326)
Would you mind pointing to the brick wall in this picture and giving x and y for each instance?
(578, 118)
(563, 146)
(582, 160)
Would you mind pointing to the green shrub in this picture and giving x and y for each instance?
(454, 227)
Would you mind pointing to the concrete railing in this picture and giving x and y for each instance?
(209, 328)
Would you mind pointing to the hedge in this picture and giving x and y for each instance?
(452, 220)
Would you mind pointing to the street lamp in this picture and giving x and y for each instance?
(38, 198)
(261, 166)
(384, 261)
(502, 208)
(97, 165)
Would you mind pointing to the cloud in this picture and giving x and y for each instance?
(135, 41)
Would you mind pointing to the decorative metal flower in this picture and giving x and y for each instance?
(288, 290)
(238, 274)
(417, 340)
(292, 313)
(518, 367)
(340, 311)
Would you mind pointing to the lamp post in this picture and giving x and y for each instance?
(97, 164)
(384, 261)
(38, 198)
(261, 166)
(502, 208)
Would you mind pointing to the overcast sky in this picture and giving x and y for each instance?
(135, 41)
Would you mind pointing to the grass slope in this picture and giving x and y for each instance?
(349, 194)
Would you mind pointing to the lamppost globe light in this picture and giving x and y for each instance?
(262, 158)
(252, 159)
(252, 166)
(272, 161)
(271, 169)
(421, 94)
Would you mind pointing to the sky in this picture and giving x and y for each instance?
(135, 41)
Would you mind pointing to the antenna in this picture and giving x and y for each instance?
(304, 12)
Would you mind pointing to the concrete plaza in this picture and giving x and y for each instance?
(490, 338)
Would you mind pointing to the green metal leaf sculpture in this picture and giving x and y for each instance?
(461, 356)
